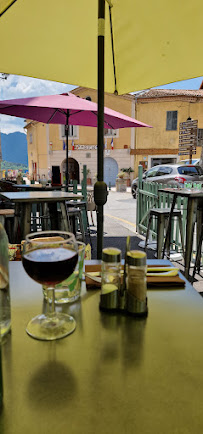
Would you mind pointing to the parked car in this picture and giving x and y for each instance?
(173, 174)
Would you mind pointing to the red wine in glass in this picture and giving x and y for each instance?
(50, 266)
(49, 257)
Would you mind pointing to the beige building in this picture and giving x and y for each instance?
(161, 108)
(165, 110)
(46, 144)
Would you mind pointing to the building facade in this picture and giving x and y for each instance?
(165, 109)
(47, 144)
(124, 148)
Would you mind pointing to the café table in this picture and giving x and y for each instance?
(114, 374)
(194, 212)
(36, 187)
(23, 206)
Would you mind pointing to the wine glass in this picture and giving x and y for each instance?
(49, 257)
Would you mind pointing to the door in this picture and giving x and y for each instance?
(110, 171)
(73, 170)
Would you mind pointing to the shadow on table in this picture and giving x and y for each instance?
(52, 382)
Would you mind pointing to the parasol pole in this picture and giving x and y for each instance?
(66, 129)
(100, 188)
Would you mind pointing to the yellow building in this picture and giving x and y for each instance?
(165, 110)
(46, 144)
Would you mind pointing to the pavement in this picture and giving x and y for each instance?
(119, 222)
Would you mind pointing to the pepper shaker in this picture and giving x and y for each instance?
(136, 294)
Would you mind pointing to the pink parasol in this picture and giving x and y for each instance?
(53, 109)
(69, 109)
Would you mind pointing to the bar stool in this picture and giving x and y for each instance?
(7, 220)
(82, 206)
(162, 214)
(75, 221)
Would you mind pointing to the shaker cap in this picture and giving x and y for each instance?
(111, 254)
(136, 258)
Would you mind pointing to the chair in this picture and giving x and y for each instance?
(7, 209)
(7, 185)
(76, 222)
(162, 215)
(77, 216)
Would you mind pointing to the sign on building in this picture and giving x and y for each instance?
(188, 137)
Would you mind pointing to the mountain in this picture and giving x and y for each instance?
(14, 147)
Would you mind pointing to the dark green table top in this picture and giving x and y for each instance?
(114, 374)
(39, 196)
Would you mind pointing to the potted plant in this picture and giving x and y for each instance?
(121, 174)
(120, 181)
(127, 171)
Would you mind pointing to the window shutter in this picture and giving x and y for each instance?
(171, 120)
(174, 120)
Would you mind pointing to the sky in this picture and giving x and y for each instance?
(23, 87)
(16, 86)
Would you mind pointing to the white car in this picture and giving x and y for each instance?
(173, 174)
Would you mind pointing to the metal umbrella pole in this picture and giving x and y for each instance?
(100, 188)
(66, 128)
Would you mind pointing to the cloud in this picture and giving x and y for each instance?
(23, 87)
(11, 124)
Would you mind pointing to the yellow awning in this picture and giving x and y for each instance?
(156, 42)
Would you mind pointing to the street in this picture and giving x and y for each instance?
(119, 222)
(120, 214)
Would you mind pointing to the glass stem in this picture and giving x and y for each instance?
(51, 299)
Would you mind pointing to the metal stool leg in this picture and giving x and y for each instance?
(147, 234)
(181, 233)
(65, 218)
(82, 230)
(160, 235)
(88, 225)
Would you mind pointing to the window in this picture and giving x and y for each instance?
(171, 120)
(164, 171)
(152, 172)
(72, 132)
(30, 138)
(200, 137)
(190, 170)
(110, 133)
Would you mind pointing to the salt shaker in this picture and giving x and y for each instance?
(110, 278)
(136, 294)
